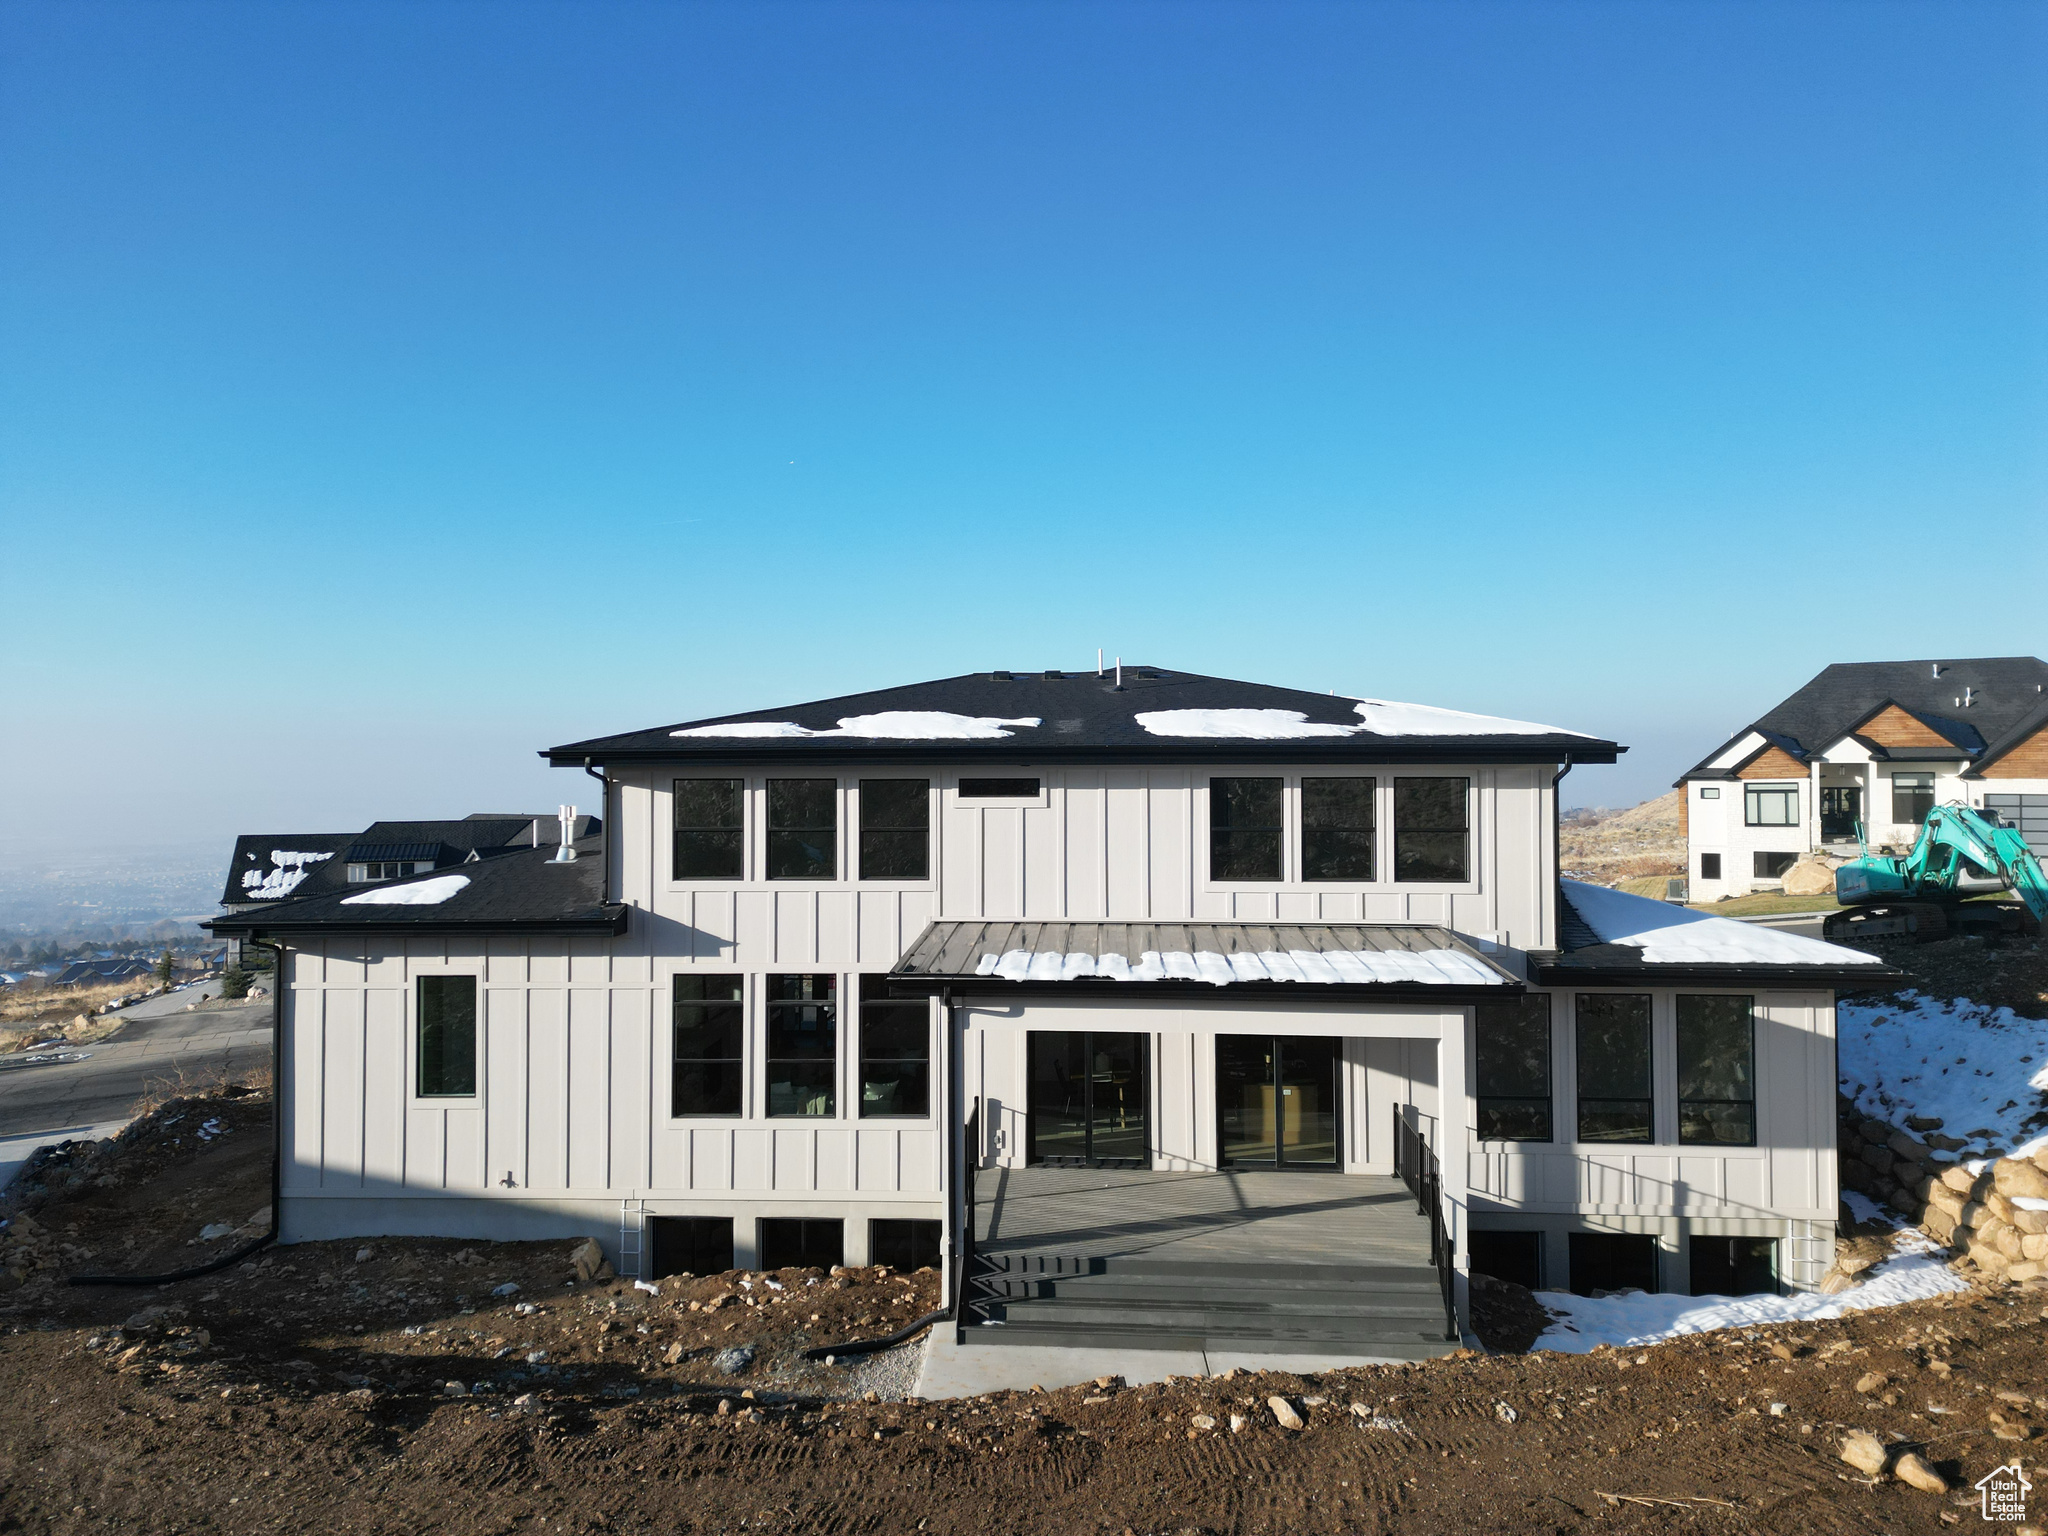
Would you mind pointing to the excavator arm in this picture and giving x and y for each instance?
(1953, 839)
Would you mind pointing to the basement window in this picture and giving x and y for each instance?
(1337, 829)
(1734, 1266)
(1613, 1261)
(1244, 829)
(1771, 866)
(1710, 866)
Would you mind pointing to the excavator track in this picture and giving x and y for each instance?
(1926, 921)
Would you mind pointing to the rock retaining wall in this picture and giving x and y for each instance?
(1916, 1170)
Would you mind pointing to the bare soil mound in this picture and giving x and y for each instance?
(1604, 846)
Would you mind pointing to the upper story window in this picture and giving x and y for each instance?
(1245, 829)
(803, 829)
(386, 869)
(1717, 1071)
(1770, 805)
(1432, 832)
(1912, 797)
(710, 822)
(1337, 829)
(1614, 1067)
(445, 1037)
(896, 829)
(1514, 1069)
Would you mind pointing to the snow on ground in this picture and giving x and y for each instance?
(889, 725)
(1983, 1072)
(1669, 935)
(1447, 967)
(1916, 1271)
(423, 893)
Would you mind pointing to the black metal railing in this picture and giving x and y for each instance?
(1418, 1168)
(963, 1268)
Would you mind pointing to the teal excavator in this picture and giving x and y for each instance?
(1927, 892)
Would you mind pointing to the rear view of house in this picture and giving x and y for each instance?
(1155, 1007)
(1873, 745)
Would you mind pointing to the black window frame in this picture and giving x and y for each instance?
(812, 1242)
(1408, 849)
(1323, 834)
(1710, 866)
(1770, 864)
(1693, 1107)
(999, 789)
(775, 1050)
(1753, 796)
(785, 836)
(909, 1015)
(733, 1079)
(882, 843)
(1504, 1106)
(906, 1244)
(728, 836)
(459, 1032)
(1592, 1058)
(689, 1245)
(1234, 844)
(1920, 787)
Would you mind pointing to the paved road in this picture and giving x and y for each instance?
(157, 1040)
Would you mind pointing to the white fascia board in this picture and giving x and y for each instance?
(1745, 745)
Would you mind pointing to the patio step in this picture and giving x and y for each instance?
(1385, 1311)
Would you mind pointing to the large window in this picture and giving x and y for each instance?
(1337, 828)
(1614, 1067)
(708, 1065)
(803, 829)
(709, 822)
(447, 1037)
(803, 1045)
(1716, 1071)
(895, 829)
(1770, 805)
(1514, 1069)
(1244, 829)
(1432, 840)
(895, 1051)
(1771, 866)
(1912, 797)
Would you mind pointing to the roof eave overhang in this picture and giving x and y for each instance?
(612, 921)
(1321, 750)
(1836, 977)
(969, 987)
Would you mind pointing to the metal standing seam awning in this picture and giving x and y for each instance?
(1316, 955)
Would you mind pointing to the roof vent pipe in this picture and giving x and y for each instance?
(1969, 696)
(1119, 673)
(566, 854)
(1936, 668)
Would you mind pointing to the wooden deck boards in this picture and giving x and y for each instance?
(1275, 1218)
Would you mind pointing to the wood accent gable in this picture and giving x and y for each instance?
(1772, 763)
(2028, 760)
(1893, 727)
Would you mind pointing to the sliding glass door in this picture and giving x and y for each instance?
(1276, 1101)
(1087, 1099)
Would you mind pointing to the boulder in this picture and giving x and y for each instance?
(1912, 1470)
(735, 1361)
(2026, 1269)
(1989, 1260)
(2034, 1246)
(1961, 1180)
(1864, 1451)
(587, 1258)
(1940, 1224)
(2012, 1176)
(1941, 1197)
(1810, 876)
(1284, 1413)
(1906, 1147)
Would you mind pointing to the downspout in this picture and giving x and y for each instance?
(277, 951)
(1557, 853)
(604, 816)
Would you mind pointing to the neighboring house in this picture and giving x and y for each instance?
(1055, 972)
(1876, 743)
(94, 973)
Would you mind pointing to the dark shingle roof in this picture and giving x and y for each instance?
(515, 888)
(1083, 717)
(257, 874)
(2007, 696)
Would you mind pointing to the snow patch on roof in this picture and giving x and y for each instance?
(1669, 935)
(421, 893)
(1980, 1071)
(291, 868)
(1378, 717)
(1435, 967)
(1916, 1271)
(890, 725)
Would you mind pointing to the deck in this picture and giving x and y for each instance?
(1199, 1218)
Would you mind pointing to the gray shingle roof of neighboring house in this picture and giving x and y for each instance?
(1057, 717)
(83, 971)
(295, 865)
(507, 889)
(1986, 706)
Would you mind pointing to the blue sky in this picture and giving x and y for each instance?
(436, 382)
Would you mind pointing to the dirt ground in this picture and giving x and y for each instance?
(1999, 973)
(309, 1388)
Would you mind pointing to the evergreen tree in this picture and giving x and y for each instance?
(166, 968)
(234, 982)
